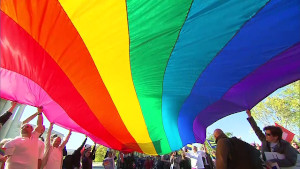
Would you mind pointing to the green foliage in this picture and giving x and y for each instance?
(100, 153)
(282, 107)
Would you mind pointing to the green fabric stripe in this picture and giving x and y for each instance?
(153, 27)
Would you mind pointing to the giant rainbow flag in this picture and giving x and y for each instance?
(146, 75)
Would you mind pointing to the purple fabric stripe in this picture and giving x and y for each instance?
(278, 72)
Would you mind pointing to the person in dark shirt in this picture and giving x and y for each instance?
(4, 117)
(207, 160)
(272, 142)
(130, 161)
(73, 161)
(185, 162)
(88, 157)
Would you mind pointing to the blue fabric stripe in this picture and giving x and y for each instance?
(209, 26)
(274, 29)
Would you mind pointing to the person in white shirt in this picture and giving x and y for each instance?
(109, 162)
(54, 153)
(196, 158)
(23, 151)
(40, 142)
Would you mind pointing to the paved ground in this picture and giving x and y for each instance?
(98, 167)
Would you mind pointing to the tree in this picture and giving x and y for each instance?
(282, 107)
(100, 153)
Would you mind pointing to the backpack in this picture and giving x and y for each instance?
(243, 155)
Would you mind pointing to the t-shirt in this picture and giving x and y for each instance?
(185, 163)
(25, 154)
(273, 146)
(196, 159)
(109, 163)
(87, 163)
(55, 158)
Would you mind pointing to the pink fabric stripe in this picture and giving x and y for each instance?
(19, 88)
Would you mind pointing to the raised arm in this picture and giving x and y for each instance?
(44, 160)
(66, 140)
(39, 128)
(254, 126)
(13, 105)
(39, 112)
(47, 142)
(77, 152)
(93, 152)
(114, 154)
(172, 158)
(6, 116)
(83, 143)
(47, 145)
(191, 155)
(205, 148)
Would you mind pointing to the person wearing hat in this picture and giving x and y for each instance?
(87, 147)
(88, 156)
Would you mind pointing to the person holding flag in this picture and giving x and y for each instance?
(272, 142)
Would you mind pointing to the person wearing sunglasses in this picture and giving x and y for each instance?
(272, 142)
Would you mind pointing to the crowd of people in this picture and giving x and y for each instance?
(31, 151)
(187, 159)
(273, 152)
(231, 153)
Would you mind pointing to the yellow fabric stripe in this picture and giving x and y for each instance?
(103, 27)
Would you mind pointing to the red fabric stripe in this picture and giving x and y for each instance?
(20, 53)
(49, 25)
(15, 86)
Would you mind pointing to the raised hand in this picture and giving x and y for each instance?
(249, 113)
